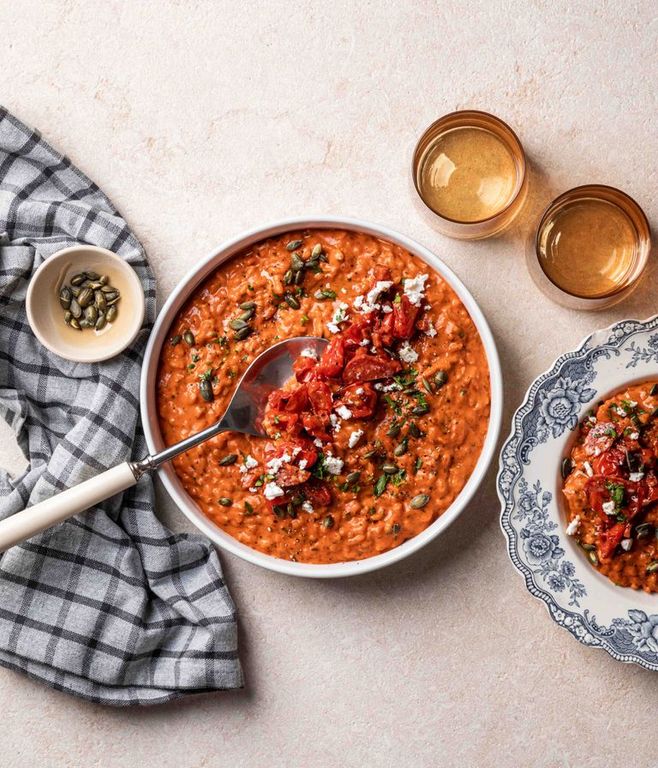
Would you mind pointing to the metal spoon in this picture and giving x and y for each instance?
(269, 371)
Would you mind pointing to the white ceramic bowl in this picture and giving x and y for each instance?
(154, 439)
(46, 316)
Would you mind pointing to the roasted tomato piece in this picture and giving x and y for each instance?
(650, 489)
(305, 368)
(298, 449)
(600, 438)
(609, 539)
(361, 399)
(332, 360)
(364, 367)
(279, 421)
(317, 426)
(382, 333)
(319, 396)
(289, 400)
(289, 475)
(404, 317)
(355, 334)
(628, 497)
(318, 493)
(380, 273)
(610, 462)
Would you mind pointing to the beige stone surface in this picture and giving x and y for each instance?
(202, 119)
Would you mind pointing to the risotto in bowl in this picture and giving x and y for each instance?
(375, 445)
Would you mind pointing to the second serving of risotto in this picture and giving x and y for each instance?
(369, 444)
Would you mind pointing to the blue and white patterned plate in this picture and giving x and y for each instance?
(597, 613)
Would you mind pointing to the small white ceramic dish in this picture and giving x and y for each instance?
(598, 613)
(150, 417)
(46, 316)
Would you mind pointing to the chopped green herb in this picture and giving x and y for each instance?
(380, 485)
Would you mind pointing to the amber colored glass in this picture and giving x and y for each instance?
(607, 240)
(498, 136)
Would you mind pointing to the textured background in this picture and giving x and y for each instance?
(202, 119)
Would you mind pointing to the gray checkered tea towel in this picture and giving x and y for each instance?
(109, 605)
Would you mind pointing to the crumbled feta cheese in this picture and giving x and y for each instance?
(573, 526)
(414, 289)
(387, 309)
(344, 412)
(364, 343)
(333, 465)
(307, 507)
(303, 463)
(407, 353)
(368, 303)
(588, 469)
(609, 507)
(272, 491)
(308, 352)
(360, 390)
(335, 422)
(635, 477)
(354, 438)
(318, 443)
(634, 435)
(632, 404)
(253, 490)
(275, 464)
(393, 387)
(333, 327)
(264, 273)
(296, 451)
(431, 331)
(249, 463)
(626, 544)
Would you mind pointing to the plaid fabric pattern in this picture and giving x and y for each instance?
(109, 605)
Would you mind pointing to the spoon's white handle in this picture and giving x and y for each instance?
(32, 520)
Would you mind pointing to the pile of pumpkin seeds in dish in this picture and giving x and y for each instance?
(89, 301)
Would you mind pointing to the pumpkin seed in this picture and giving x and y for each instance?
(292, 301)
(86, 297)
(288, 277)
(111, 302)
(414, 431)
(67, 317)
(380, 485)
(389, 468)
(101, 322)
(76, 309)
(440, 378)
(296, 262)
(420, 410)
(591, 556)
(74, 324)
(401, 448)
(110, 295)
(427, 385)
(328, 521)
(91, 314)
(248, 305)
(75, 291)
(229, 459)
(317, 250)
(188, 338)
(95, 286)
(353, 477)
(567, 466)
(237, 324)
(65, 298)
(293, 245)
(248, 509)
(242, 333)
(247, 314)
(103, 280)
(85, 323)
(643, 530)
(652, 567)
(326, 293)
(396, 528)
(92, 275)
(174, 340)
(78, 279)
(205, 387)
(297, 279)
(100, 301)
(107, 288)
(394, 429)
(418, 502)
(111, 314)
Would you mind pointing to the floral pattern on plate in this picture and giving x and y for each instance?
(622, 621)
